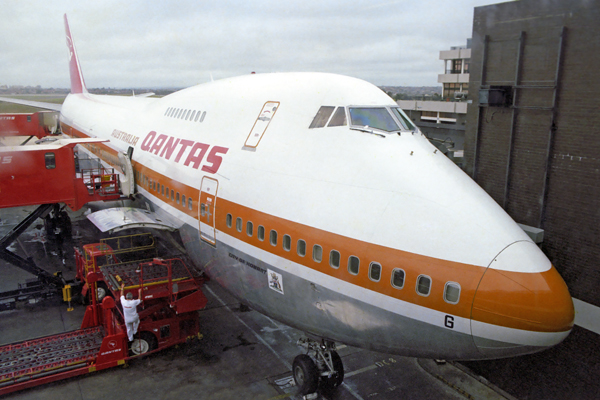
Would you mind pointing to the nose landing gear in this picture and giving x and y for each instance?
(321, 368)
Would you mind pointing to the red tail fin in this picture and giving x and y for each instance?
(77, 82)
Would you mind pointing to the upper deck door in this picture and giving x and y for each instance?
(207, 209)
(261, 124)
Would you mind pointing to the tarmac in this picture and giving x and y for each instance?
(242, 354)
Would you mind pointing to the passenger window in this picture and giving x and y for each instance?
(162, 189)
(187, 115)
(317, 253)
(423, 285)
(172, 195)
(287, 242)
(168, 109)
(273, 237)
(353, 265)
(190, 203)
(50, 160)
(260, 233)
(249, 228)
(301, 248)
(167, 192)
(375, 272)
(452, 292)
(193, 115)
(202, 210)
(228, 220)
(177, 198)
(183, 200)
(197, 116)
(334, 258)
(398, 278)
(322, 117)
(238, 224)
(203, 115)
(339, 117)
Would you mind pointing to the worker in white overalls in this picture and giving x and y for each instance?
(132, 319)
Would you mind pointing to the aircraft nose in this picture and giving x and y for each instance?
(522, 304)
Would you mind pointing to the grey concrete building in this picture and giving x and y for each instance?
(532, 141)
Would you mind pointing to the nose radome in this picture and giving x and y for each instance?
(522, 304)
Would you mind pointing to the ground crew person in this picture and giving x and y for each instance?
(132, 319)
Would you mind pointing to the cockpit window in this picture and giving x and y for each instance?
(404, 120)
(339, 117)
(322, 117)
(373, 117)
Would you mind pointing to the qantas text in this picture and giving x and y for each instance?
(167, 146)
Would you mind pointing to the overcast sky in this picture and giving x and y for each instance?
(150, 44)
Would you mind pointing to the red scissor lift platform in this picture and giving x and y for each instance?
(171, 298)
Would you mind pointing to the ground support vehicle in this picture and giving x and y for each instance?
(168, 316)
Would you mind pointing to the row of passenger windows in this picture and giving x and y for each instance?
(186, 115)
(164, 190)
(424, 282)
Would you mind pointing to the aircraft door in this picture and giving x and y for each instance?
(127, 179)
(261, 124)
(207, 209)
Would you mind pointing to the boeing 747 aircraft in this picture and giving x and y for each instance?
(315, 200)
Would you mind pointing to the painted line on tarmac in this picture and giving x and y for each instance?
(360, 371)
(287, 364)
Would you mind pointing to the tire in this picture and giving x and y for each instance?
(330, 383)
(305, 374)
(144, 344)
(102, 291)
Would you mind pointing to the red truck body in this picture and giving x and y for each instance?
(46, 173)
(38, 124)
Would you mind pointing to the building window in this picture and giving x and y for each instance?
(398, 278)
(260, 233)
(334, 259)
(317, 253)
(228, 220)
(452, 292)
(423, 285)
(375, 272)
(353, 265)
(273, 237)
(301, 248)
(249, 228)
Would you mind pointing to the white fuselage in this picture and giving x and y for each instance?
(343, 214)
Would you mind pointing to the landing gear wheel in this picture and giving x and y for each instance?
(305, 374)
(145, 343)
(329, 383)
